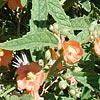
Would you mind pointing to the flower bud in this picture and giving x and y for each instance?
(62, 84)
(72, 92)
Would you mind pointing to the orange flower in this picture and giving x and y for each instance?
(55, 57)
(30, 78)
(71, 51)
(97, 46)
(5, 57)
(13, 4)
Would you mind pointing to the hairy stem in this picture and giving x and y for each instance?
(8, 91)
(52, 69)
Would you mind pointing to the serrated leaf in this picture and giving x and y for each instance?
(86, 5)
(86, 94)
(87, 79)
(2, 2)
(80, 36)
(38, 40)
(24, 2)
(83, 80)
(39, 10)
(13, 97)
(58, 13)
(26, 97)
(51, 96)
(39, 14)
(80, 23)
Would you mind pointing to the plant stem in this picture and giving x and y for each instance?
(45, 90)
(19, 22)
(8, 91)
(52, 69)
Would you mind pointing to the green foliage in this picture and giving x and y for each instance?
(31, 40)
(14, 97)
(26, 97)
(86, 5)
(24, 2)
(43, 25)
(58, 14)
(2, 3)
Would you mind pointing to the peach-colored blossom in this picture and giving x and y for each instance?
(71, 51)
(5, 57)
(13, 4)
(30, 78)
(97, 46)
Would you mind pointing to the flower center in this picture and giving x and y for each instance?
(30, 76)
(1, 52)
(70, 49)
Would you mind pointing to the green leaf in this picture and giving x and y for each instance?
(86, 94)
(63, 21)
(26, 97)
(83, 78)
(80, 23)
(24, 2)
(38, 40)
(39, 10)
(39, 14)
(51, 96)
(89, 80)
(86, 5)
(80, 37)
(58, 13)
(2, 2)
(13, 97)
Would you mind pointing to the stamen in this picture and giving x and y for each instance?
(20, 62)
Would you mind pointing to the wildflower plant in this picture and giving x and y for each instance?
(49, 50)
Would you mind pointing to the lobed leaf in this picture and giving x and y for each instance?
(80, 23)
(26, 97)
(86, 5)
(39, 10)
(88, 79)
(14, 97)
(37, 40)
(24, 2)
(57, 12)
(39, 14)
(2, 3)
(51, 96)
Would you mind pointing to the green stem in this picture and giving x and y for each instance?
(52, 69)
(19, 22)
(8, 91)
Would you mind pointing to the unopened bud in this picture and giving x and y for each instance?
(62, 84)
